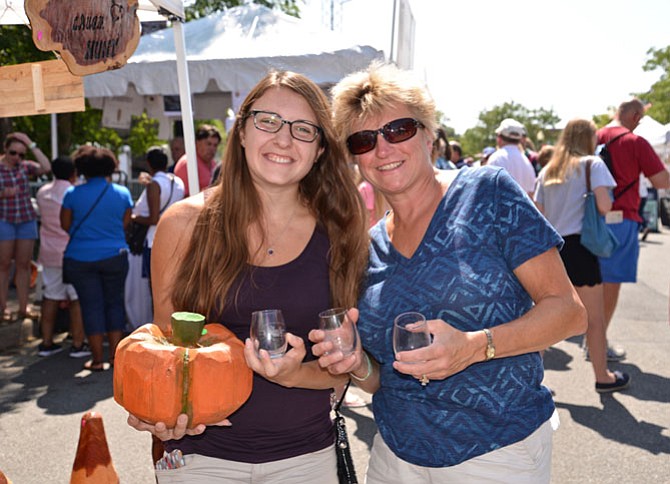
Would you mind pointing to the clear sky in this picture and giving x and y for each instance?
(577, 57)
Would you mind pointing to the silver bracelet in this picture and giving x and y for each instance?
(367, 375)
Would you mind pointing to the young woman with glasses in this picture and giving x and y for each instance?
(284, 229)
(468, 250)
(18, 219)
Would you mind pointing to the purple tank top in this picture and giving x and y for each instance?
(276, 422)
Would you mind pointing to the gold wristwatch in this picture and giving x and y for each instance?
(490, 347)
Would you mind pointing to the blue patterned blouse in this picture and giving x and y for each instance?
(483, 229)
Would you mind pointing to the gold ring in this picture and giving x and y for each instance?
(424, 380)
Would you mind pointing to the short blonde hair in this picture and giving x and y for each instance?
(365, 94)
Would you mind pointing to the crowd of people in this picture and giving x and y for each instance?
(358, 202)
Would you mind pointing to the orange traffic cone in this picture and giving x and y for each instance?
(4, 479)
(93, 462)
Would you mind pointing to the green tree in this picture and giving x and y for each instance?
(535, 121)
(659, 93)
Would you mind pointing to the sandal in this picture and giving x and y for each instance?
(621, 381)
(92, 366)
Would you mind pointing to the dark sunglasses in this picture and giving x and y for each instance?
(396, 131)
(19, 153)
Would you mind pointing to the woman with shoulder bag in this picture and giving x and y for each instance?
(95, 261)
(560, 196)
(161, 191)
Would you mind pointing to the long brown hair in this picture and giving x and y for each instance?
(219, 251)
(575, 142)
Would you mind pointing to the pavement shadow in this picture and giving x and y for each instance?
(58, 384)
(556, 359)
(366, 428)
(615, 422)
(645, 386)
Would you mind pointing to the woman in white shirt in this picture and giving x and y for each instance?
(559, 195)
(163, 190)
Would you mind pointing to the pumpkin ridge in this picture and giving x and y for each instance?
(186, 386)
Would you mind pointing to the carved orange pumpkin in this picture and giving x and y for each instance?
(158, 376)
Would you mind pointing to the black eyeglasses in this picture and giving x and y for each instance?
(272, 123)
(396, 131)
(15, 153)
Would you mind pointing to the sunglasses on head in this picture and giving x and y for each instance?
(15, 153)
(396, 131)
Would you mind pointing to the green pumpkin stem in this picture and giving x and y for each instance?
(187, 328)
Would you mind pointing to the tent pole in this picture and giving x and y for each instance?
(186, 107)
(54, 136)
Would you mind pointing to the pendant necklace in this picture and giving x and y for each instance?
(270, 250)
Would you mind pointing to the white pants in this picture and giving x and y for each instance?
(317, 467)
(137, 294)
(525, 462)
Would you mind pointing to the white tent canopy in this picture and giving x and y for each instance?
(234, 49)
(657, 134)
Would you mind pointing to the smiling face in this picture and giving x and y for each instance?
(277, 160)
(394, 168)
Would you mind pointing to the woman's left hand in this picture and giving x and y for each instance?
(450, 352)
(282, 371)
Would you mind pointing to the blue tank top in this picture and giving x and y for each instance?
(276, 422)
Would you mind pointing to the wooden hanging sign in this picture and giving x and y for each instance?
(40, 88)
(90, 35)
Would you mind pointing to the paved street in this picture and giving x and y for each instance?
(619, 438)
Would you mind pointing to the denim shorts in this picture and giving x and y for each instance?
(100, 286)
(622, 265)
(23, 230)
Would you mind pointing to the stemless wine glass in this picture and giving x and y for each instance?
(339, 330)
(268, 332)
(410, 332)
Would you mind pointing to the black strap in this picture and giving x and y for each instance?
(630, 185)
(617, 137)
(167, 202)
(339, 403)
(588, 175)
(89, 212)
(617, 195)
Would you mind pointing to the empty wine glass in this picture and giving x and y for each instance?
(268, 332)
(339, 330)
(410, 332)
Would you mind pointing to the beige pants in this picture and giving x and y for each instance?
(318, 467)
(526, 462)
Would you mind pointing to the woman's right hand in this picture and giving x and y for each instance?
(334, 361)
(161, 431)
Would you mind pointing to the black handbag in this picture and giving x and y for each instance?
(346, 473)
(136, 233)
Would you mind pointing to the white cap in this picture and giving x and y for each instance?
(512, 129)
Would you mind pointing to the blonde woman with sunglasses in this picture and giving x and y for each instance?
(467, 249)
(18, 219)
